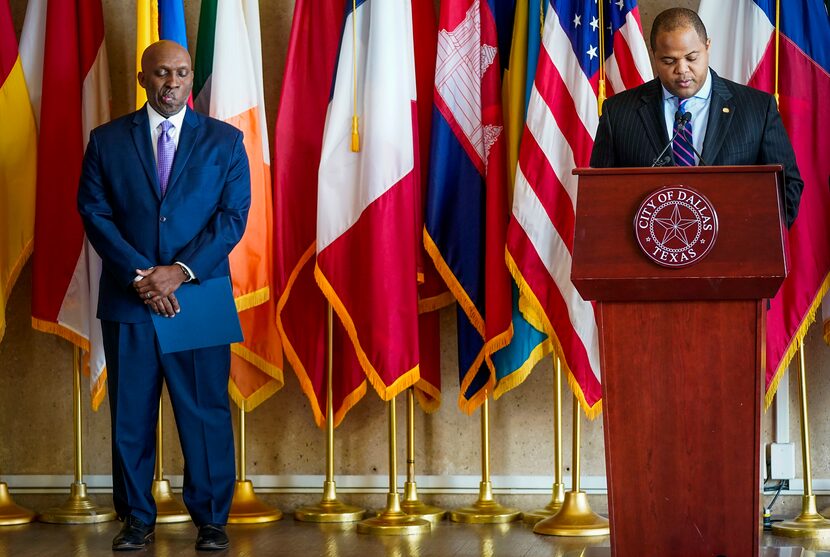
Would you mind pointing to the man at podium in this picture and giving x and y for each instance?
(691, 116)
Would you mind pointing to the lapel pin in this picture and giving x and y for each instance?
(726, 110)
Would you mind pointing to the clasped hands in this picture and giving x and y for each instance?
(156, 288)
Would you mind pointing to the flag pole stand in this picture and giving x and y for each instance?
(558, 496)
(808, 524)
(10, 513)
(246, 508)
(168, 509)
(392, 521)
(329, 509)
(575, 518)
(411, 505)
(78, 509)
(485, 510)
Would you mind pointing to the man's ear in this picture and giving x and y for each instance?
(708, 43)
(141, 78)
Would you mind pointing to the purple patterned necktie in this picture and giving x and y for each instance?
(165, 154)
(682, 146)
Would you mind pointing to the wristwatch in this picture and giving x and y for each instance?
(187, 275)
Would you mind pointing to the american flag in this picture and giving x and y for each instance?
(562, 119)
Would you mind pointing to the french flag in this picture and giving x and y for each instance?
(744, 50)
(368, 202)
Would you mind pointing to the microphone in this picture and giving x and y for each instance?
(680, 121)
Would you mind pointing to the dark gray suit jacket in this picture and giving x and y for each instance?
(744, 128)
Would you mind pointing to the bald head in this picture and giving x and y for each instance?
(167, 76)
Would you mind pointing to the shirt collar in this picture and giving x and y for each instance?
(156, 119)
(704, 93)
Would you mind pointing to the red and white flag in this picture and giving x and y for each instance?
(75, 99)
(368, 202)
(562, 119)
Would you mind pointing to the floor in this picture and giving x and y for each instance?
(290, 538)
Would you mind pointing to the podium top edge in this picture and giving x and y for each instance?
(759, 169)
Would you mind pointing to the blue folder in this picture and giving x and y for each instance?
(208, 317)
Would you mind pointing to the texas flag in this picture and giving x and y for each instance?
(368, 202)
(744, 50)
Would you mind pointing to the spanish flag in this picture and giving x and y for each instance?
(18, 162)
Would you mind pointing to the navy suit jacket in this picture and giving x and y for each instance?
(198, 222)
(744, 128)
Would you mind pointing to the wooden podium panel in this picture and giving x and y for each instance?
(682, 435)
(682, 357)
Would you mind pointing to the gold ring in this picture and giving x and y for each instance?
(147, 295)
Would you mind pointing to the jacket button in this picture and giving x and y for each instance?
(162, 219)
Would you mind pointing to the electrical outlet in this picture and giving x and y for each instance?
(781, 461)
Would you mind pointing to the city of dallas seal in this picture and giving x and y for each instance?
(676, 226)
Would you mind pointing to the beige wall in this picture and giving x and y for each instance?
(35, 369)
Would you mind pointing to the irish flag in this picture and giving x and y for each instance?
(229, 87)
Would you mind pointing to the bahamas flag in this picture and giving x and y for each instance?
(18, 164)
(466, 208)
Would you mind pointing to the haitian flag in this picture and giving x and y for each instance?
(466, 211)
(743, 50)
(562, 119)
(368, 201)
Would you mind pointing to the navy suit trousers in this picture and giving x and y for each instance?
(197, 381)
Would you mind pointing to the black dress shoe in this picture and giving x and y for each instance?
(212, 537)
(135, 534)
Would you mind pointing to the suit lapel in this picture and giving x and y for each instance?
(721, 111)
(187, 139)
(654, 120)
(144, 147)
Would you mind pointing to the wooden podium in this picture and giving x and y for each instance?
(682, 356)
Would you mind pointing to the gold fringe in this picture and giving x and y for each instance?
(256, 398)
(61, 331)
(521, 373)
(273, 371)
(99, 390)
(532, 311)
(386, 392)
(797, 338)
(348, 403)
(428, 396)
(433, 303)
(454, 285)
(253, 299)
(827, 332)
(15, 271)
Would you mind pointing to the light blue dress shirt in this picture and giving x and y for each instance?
(698, 106)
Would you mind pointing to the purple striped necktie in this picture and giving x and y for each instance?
(684, 154)
(165, 153)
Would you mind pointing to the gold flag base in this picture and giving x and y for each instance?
(486, 510)
(10, 513)
(168, 509)
(246, 508)
(412, 506)
(392, 521)
(575, 518)
(551, 509)
(329, 509)
(808, 524)
(78, 509)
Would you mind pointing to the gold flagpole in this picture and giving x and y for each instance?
(485, 510)
(392, 521)
(329, 509)
(78, 509)
(411, 505)
(168, 509)
(808, 524)
(575, 518)
(246, 508)
(777, 46)
(558, 495)
(601, 88)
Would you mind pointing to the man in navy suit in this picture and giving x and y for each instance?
(164, 197)
(726, 123)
